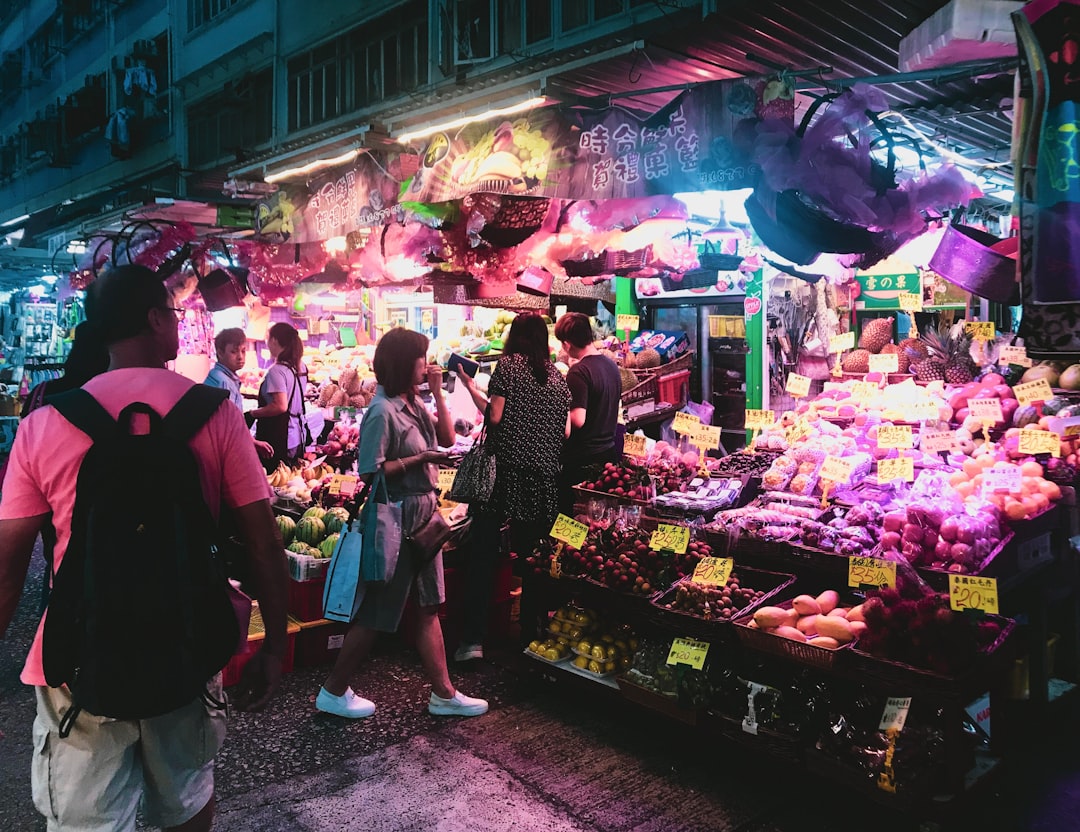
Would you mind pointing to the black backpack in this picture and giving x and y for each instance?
(140, 616)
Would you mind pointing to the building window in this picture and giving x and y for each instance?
(203, 11)
(237, 119)
(377, 60)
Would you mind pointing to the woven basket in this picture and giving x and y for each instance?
(939, 578)
(625, 262)
(591, 267)
(799, 651)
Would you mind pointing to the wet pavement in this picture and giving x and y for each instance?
(545, 758)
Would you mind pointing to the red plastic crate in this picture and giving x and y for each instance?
(256, 633)
(318, 642)
(305, 599)
(670, 388)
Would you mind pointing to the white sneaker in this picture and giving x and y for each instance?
(468, 652)
(459, 705)
(348, 705)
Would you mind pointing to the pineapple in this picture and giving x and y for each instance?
(928, 369)
(902, 361)
(876, 334)
(856, 361)
(949, 358)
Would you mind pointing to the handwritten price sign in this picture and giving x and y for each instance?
(934, 442)
(569, 531)
(688, 651)
(970, 592)
(864, 391)
(1015, 355)
(798, 386)
(835, 469)
(1033, 391)
(887, 363)
(629, 322)
(894, 717)
(343, 485)
(922, 411)
(980, 330)
(910, 302)
(896, 469)
(986, 410)
(895, 436)
(707, 437)
(1039, 442)
(446, 479)
(871, 572)
(633, 445)
(797, 432)
(841, 342)
(670, 538)
(686, 423)
(1002, 479)
(759, 419)
(713, 571)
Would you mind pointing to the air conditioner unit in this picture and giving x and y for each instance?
(963, 30)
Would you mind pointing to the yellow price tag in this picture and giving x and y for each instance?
(446, 479)
(841, 342)
(980, 330)
(634, 445)
(1072, 430)
(686, 423)
(933, 442)
(922, 411)
(911, 302)
(1015, 355)
(871, 572)
(1032, 392)
(670, 538)
(759, 419)
(630, 322)
(894, 717)
(1039, 442)
(335, 485)
(798, 386)
(986, 410)
(895, 436)
(688, 651)
(865, 391)
(902, 468)
(707, 436)
(835, 469)
(713, 571)
(797, 432)
(569, 531)
(885, 363)
(343, 485)
(971, 592)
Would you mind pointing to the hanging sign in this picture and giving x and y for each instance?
(871, 572)
(841, 342)
(713, 571)
(895, 436)
(972, 592)
(885, 363)
(798, 386)
(688, 651)
(569, 531)
(902, 468)
(1032, 392)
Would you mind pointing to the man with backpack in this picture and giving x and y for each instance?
(134, 468)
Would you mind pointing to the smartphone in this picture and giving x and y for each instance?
(468, 366)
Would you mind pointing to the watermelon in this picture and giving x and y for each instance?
(287, 526)
(336, 519)
(310, 530)
(296, 547)
(328, 545)
(318, 512)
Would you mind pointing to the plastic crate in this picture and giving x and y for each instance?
(230, 675)
(318, 642)
(305, 568)
(670, 388)
(306, 599)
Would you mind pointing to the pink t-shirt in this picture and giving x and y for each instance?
(48, 451)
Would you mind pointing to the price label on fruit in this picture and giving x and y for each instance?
(797, 431)
(798, 386)
(923, 411)
(446, 479)
(895, 714)
(936, 441)
(986, 410)
(871, 572)
(707, 437)
(835, 469)
(1033, 391)
(841, 342)
(1072, 430)
(634, 445)
(343, 485)
(865, 391)
(713, 571)
(759, 419)
(1006, 480)
(688, 651)
(971, 592)
(1039, 442)
(980, 330)
(886, 363)
(569, 531)
(895, 436)
(1015, 355)
(629, 322)
(910, 302)
(686, 423)
(902, 468)
(670, 538)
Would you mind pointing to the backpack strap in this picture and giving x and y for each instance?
(85, 413)
(193, 411)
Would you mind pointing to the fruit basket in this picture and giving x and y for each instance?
(802, 652)
(663, 703)
(646, 390)
(988, 566)
(532, 654)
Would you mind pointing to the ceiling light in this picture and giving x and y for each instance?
(15, 221)
(311, 167)
(49, 278)
(496, 112)
(76, 247)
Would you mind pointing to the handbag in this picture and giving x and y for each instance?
(344, 590)
(427, 541)
(475, 479)
(380, 520)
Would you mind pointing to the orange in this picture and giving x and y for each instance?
(1031, 468)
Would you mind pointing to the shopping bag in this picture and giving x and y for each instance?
(380, 520)
(475, 478)
(344, 590)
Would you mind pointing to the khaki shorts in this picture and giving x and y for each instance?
(94, 779)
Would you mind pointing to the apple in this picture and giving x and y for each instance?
(949, 529)
(890, 540)
(894, 521)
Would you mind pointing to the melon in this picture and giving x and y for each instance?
(327, 546)
(318, 512)
(310, 530)
(1070, 379)
(336, 519)
(1047, 371)
(287, 527)
(296, 547)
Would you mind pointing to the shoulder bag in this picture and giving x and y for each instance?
(427, 541)
(475, 479)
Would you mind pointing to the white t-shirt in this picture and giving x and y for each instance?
(281, 379)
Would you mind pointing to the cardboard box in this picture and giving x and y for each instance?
(670, 345)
